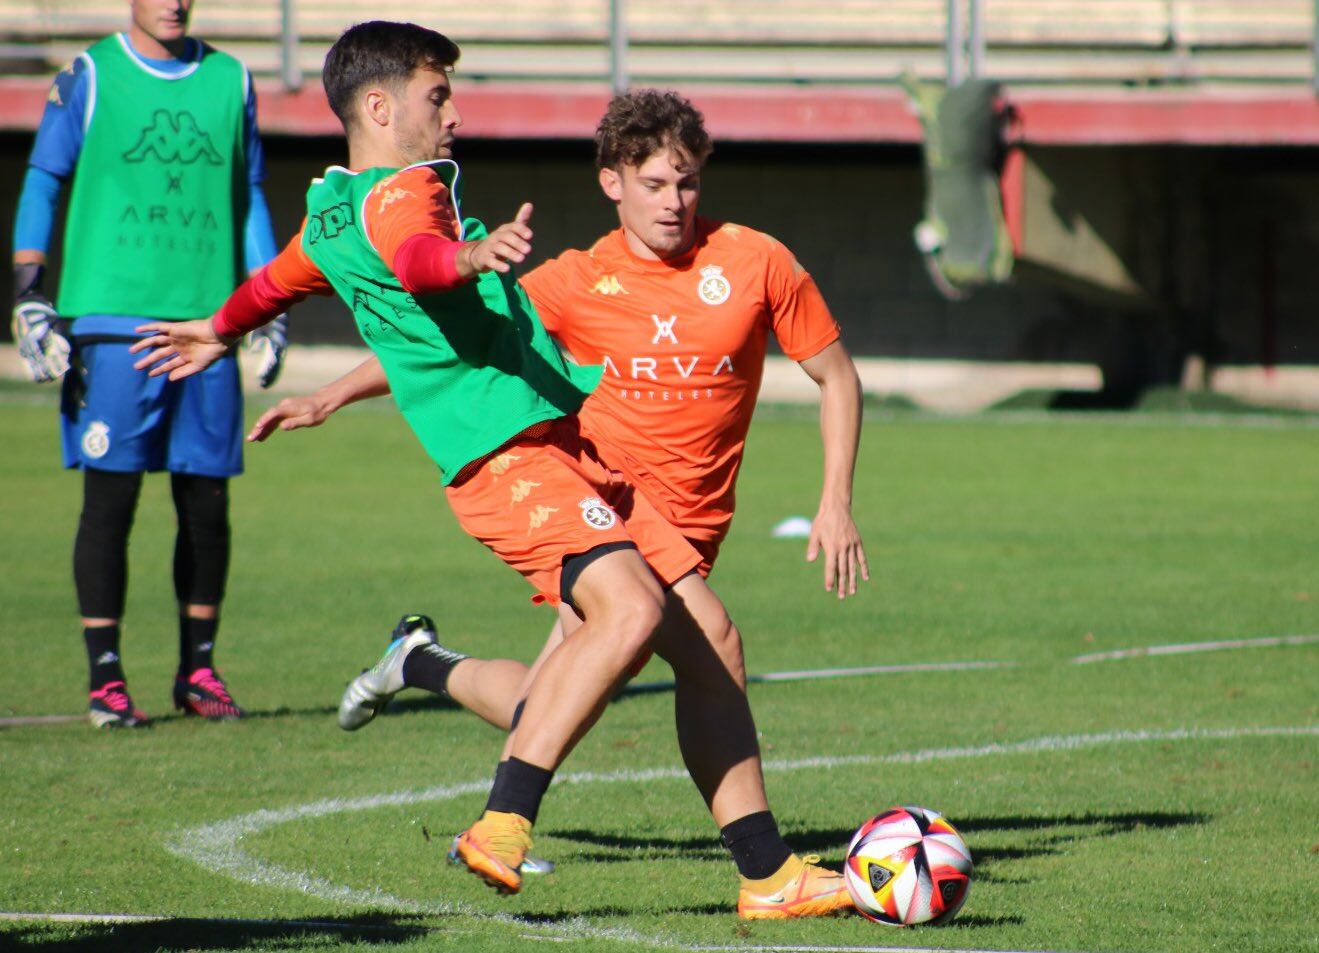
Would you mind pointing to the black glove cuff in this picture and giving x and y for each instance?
(27, 280)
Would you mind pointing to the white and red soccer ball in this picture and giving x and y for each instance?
(907, 866)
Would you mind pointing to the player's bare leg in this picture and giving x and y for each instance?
(489, 688)
(717, 735)
(622, 605)
(568, 622)
(704, 647)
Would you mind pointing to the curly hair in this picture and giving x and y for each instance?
(642, 122)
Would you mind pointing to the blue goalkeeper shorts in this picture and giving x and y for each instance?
(119, 419)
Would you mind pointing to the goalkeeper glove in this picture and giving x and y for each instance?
(37, 328)
(269, 344)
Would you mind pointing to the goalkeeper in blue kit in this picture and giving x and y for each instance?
(157, 133)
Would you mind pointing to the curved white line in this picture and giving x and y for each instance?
(1183, 648)
(216, 847)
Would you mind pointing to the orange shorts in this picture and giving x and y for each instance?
(708, 549)
(542, 499)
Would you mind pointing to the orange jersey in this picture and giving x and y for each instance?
(683, 344)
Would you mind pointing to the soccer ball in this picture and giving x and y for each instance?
(906, 866)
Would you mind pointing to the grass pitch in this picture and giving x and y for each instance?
(1141, 804)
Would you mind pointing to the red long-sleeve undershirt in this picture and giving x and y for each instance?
(423, 264)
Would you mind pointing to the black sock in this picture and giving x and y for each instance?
(757, 847)
(428, 667)
(196, 643)
(102, 644)
(518, 788)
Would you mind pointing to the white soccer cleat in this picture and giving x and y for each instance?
(372, 690)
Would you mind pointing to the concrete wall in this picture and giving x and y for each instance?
(1230, 238)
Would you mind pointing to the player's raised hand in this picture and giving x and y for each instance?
(178, 348)
(506, 246)
(291, 413)
(834, 533)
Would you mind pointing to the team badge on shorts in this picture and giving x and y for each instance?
(96, 439)
(714, 287)
(596, 514)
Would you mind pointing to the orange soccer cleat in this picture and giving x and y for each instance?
(494, 847)
(810, 891)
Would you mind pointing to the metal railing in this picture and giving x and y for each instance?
(863, 42)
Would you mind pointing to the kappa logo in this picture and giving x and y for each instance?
(174, 137)
(329, 223)
(500, 464)
(520, 490)
(596, 514)
(714, 287)
(609, 285)
(539, 516)
(389, 197)
(96, 439)
(664, 329)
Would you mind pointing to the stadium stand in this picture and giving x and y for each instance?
(850, 41)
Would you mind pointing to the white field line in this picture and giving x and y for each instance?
(82, 917)
(112, 918)
(1184, 648)
(811, 674)
(805, 675)
(215, 846)
(21, 721)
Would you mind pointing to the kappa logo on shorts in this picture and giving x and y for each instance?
(500, 464)
(96, 439)
(596, 514)
(714, 287)
(538, 517)
(521, 490)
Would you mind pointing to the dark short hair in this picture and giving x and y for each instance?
(642, 122)
(381, 52)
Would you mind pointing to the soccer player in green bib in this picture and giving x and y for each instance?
(158, 133)
(494, 404)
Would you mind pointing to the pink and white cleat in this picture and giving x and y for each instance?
(204, 693)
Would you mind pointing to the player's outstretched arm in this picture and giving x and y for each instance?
(833, 532)
(292, 413)
(179, 348)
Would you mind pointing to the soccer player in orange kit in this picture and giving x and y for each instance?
(431, 294)
(678, 309)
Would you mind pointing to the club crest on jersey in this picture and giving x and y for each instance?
(714, 287)
(96, 439)
(596, 514)
(664, 329)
